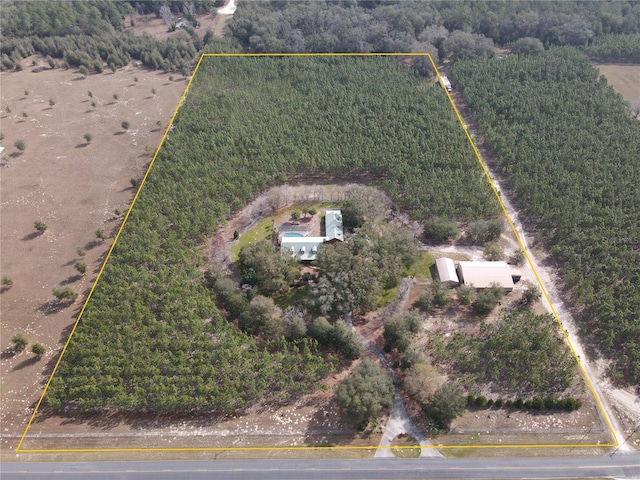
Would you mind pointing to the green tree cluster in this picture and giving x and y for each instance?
(576, 175)
(521, 354)
(364, 393)
(262, 265)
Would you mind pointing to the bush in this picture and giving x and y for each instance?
(439, 230)
(40, 226)
(65, 294)
(397, 334)
(20, 145)
(487, 300)
(346, 341)
(38, 349)
(321, 329)
(481, 401)
(20, 341)
(493, 252)
(466, 294)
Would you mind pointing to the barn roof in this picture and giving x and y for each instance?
(483, 274)
(447, 271)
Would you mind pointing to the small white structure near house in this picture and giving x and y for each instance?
(484, 274)
(447, 274)
(305, 249)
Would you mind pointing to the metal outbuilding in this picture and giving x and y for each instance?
(484, 274)
(447, 272)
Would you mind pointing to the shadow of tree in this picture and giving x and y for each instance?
(53, 306)
(27, 362)
(92, 244)
(32, 235)
(8, 353)
(71, 279)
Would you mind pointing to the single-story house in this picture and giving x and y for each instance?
(447, 274)
(297, 244)
(484, 274)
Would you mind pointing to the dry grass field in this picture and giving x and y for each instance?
(74, 187)
(626, 80)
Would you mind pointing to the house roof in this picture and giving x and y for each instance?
(306, 248)
(333, 225)
(302, 248)
(446, 270)
(483, 274)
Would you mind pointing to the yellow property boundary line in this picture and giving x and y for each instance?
(602, 411)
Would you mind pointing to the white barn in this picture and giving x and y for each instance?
(484, 274)
(447, 272)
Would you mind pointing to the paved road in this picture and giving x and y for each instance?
(621, 466)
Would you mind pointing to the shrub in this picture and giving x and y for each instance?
(65, 294)
(38, 349)
(493, 252)
(40, 226)
(481, 401)
(439, 230)
(20, 342)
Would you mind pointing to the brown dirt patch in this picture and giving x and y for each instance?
(74, 188)
(625, 79)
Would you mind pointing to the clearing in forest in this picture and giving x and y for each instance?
(150, 342)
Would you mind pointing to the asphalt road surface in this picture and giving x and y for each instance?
(620, 466)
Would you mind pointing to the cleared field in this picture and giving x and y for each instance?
(625, 79)
(72, 186)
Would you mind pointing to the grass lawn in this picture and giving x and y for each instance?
(405, 446)
(421, 270)
(261, 231)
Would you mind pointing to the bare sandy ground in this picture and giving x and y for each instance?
(74, 187)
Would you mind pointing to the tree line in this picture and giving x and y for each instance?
(454, 29)
(569, 152)
(92, 34)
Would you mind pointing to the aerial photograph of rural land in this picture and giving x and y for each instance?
(319, 239)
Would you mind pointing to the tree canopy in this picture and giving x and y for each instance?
(365, 392)
(570, 153)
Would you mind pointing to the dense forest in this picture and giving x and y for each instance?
(94, 34)
(572, 157)
(445, 28)
(98, 32)
(151, 338)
